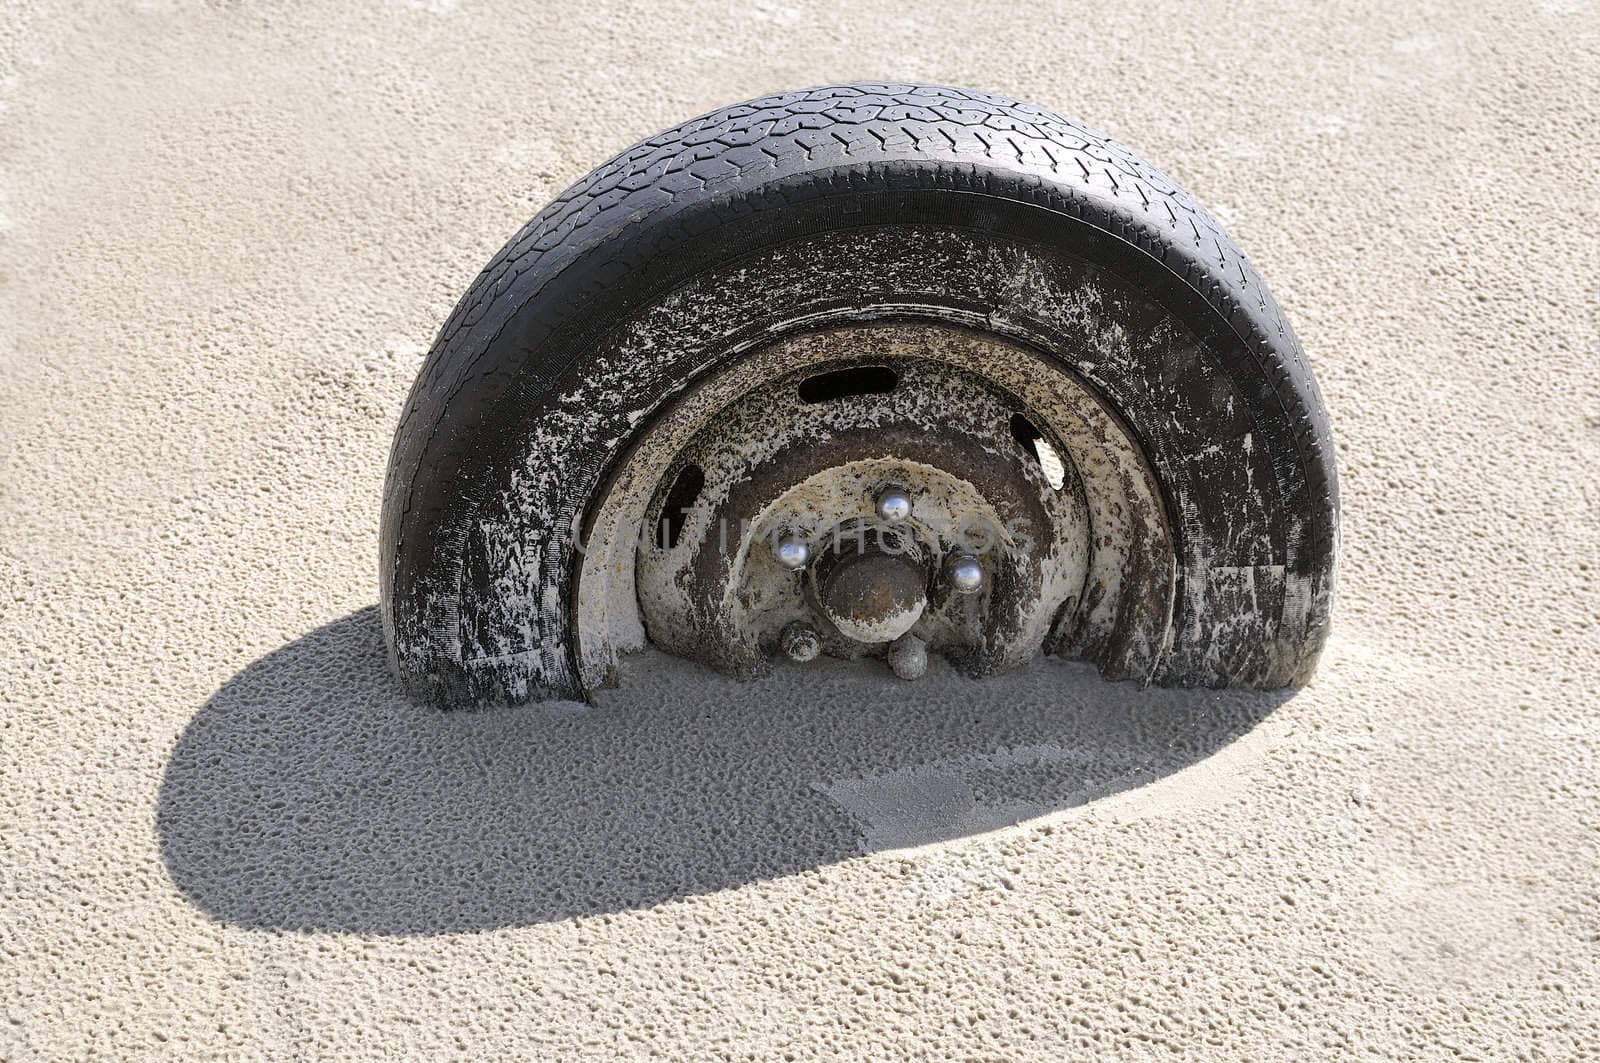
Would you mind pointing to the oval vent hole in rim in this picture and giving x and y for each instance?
(674, 511)
(843, 383)
(1035, 446)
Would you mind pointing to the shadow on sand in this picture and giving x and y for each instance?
(309, 793)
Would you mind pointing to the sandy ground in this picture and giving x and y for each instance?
(227, 235)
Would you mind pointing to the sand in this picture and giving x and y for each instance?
(227, 235)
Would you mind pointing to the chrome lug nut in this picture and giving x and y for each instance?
(800, 642)
(894, 505)
(792, 552)
(908, 657)
(964, 574)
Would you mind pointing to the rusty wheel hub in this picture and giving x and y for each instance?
(872, 586)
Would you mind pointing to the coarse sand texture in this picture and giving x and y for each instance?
(230, 232)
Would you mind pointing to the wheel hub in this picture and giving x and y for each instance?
(872, 586)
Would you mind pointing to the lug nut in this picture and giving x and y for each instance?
(964, 574)
(894, 505)
(792, 552)
(908, 657)
(800, 642)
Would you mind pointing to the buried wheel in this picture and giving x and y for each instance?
(862, 370)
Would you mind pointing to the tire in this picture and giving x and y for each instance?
(852, 203)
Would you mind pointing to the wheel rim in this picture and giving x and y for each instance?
(755, 515)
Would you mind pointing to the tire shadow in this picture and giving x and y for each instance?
(309, 793)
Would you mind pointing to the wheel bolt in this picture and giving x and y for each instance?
(894, 505)
(792, 552)
(964, 574)
(908, 657)
(800, 642)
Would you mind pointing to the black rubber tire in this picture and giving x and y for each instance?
(850, 203)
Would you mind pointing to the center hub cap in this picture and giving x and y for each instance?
(873, 588)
